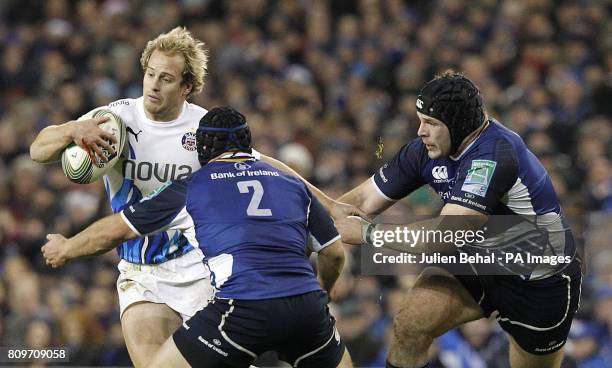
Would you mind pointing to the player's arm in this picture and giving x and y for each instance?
(51, 141)
(480, 185)
(410, 238)
(100, 237)
(162, 211)
(393, 181)
(330, 262)
(322, 197)
(326, 242)
(367, 197)
(337, 208)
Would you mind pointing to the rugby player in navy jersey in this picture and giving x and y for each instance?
(479, 168)
(252, 223)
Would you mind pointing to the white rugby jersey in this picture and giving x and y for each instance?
(155, 153)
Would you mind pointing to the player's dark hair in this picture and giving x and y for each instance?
(456, 101)
(222, 129)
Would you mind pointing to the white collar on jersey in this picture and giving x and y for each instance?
(236, 155)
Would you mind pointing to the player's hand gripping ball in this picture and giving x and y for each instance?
(80, 165)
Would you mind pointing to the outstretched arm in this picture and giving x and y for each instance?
(406, 238)
(322, 197)
(337, 208)
(367, 197)
(100, 237)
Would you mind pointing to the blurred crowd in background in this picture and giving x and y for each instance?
(324, 85)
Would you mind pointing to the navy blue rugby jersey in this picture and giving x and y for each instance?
(250, 220)
(495, 175)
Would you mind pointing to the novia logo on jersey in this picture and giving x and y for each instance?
(189, 141)
(440, 174)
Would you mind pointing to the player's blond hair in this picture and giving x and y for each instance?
(181, 41)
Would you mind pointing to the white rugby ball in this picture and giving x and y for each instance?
(77, 164)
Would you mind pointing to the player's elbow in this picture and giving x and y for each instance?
(118, 230)
(36, 153)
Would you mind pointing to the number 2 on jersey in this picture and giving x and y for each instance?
(258, 191)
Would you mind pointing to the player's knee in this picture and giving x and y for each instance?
(414, 320)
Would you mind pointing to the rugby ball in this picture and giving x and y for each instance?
(77, 164)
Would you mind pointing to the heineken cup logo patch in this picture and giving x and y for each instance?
(479, 177)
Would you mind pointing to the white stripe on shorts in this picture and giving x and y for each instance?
(315, 350)
(569, 296)
(234, 344)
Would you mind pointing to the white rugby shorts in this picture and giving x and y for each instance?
(183, 284)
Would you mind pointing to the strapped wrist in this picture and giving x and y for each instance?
(366, 232)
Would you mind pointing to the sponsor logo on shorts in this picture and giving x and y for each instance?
(549, 348)
(213, 347)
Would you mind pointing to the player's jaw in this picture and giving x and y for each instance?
(435, 136)
(433, 151)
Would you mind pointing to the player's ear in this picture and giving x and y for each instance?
(187, 88)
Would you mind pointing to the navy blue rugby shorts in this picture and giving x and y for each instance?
(537, 314)
(232, 333)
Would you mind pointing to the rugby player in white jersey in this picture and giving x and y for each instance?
(162, 278)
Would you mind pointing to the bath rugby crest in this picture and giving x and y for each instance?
(189, 141)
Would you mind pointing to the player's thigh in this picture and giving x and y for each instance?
(519, 358)
(169, 356)
(146, 326)
(436, 303)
